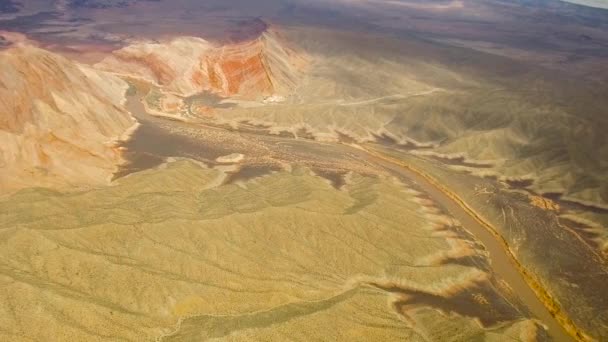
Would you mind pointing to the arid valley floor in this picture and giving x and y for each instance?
(273, 170)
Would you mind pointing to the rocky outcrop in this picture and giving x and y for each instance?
(254, 69)
(58, 120)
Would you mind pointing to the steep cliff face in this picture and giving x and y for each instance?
(187, 65)
(58, 120)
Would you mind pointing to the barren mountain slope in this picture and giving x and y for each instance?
(187, 65)
(58, 120)
(168, 254)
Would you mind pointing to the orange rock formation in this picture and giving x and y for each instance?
(58, 120)
(258, 68)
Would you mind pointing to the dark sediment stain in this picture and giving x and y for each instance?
(335, 177)
(207, 99)
(137, 162)
(249, 172)
(284, 134)
(385, 139)
(345, 138)
(460, 161)
(303, 133)
(390, 141)
(479, 301)
(247, 126)
(476, 261)
(520, 183)
(250, 124)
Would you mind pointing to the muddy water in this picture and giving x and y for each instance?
(156, 139)
(152, 139)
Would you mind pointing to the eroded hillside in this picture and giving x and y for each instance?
(59, 120)
(170, 254)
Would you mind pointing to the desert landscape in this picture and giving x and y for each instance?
(303, 170)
